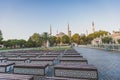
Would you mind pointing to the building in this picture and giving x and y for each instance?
(96, 41)
(86, 32)
(93, 27)
(60, 34)
(116, 36)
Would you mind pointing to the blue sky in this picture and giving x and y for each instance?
(21, 18)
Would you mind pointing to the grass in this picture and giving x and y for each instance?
(60, 48)
(9, 49)
(57, 48)
(53, 48)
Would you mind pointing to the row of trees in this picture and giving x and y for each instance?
(38, 40)
(82, 39)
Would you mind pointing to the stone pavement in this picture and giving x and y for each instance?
(107, 62)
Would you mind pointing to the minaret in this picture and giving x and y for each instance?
(57, 33)
(68, 30)
(86, 32)
(50, 30)
(93, 28)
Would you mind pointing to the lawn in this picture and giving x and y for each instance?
(53, 48)
(38, 48)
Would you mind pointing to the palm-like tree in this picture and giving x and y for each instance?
(45, 37)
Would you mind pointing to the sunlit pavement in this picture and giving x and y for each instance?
(107, 62)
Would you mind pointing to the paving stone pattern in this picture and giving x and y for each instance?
(107, 62)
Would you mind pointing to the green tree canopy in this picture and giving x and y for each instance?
(45, 37)
(14, 43)
(52, 40)
(1, 37)
(35, 40)
(99, 33)
(65, 39)
(22, 43)
(83, 40)
(107, 40)
(118, 41)
(75, 38)
(58, 40)
(30, 43)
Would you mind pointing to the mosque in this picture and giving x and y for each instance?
(60, 34)
(115, 36)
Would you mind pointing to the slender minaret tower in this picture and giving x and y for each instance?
(50, 30)
(68, 30)
(86, 32)
(93, 28)
(57, 33)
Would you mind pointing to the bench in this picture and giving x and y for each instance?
(72, 56)
(73, 61)
(42, 60)
(15, 77)
(76, 71)
(53, 53)
(48, 56)
(3, 59)
(6, 67)
(17, 60)
(28, 56)
(31, 69)
(59, 78)
(11, 56)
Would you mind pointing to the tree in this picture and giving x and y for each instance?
(6, 43)
(14, 43)
(45, 37)
(76, 38)
(118, 41)
(34, 41)
(58, 40)
(96, 34)
(107, 40)
(1, 37)
(22, 43)
(83, 40)
(89, 39)
(65, 39)
(52, 40)
(30, 43)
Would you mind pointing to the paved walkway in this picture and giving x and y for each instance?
(107, 63)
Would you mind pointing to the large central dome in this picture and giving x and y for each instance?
(60, 34)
